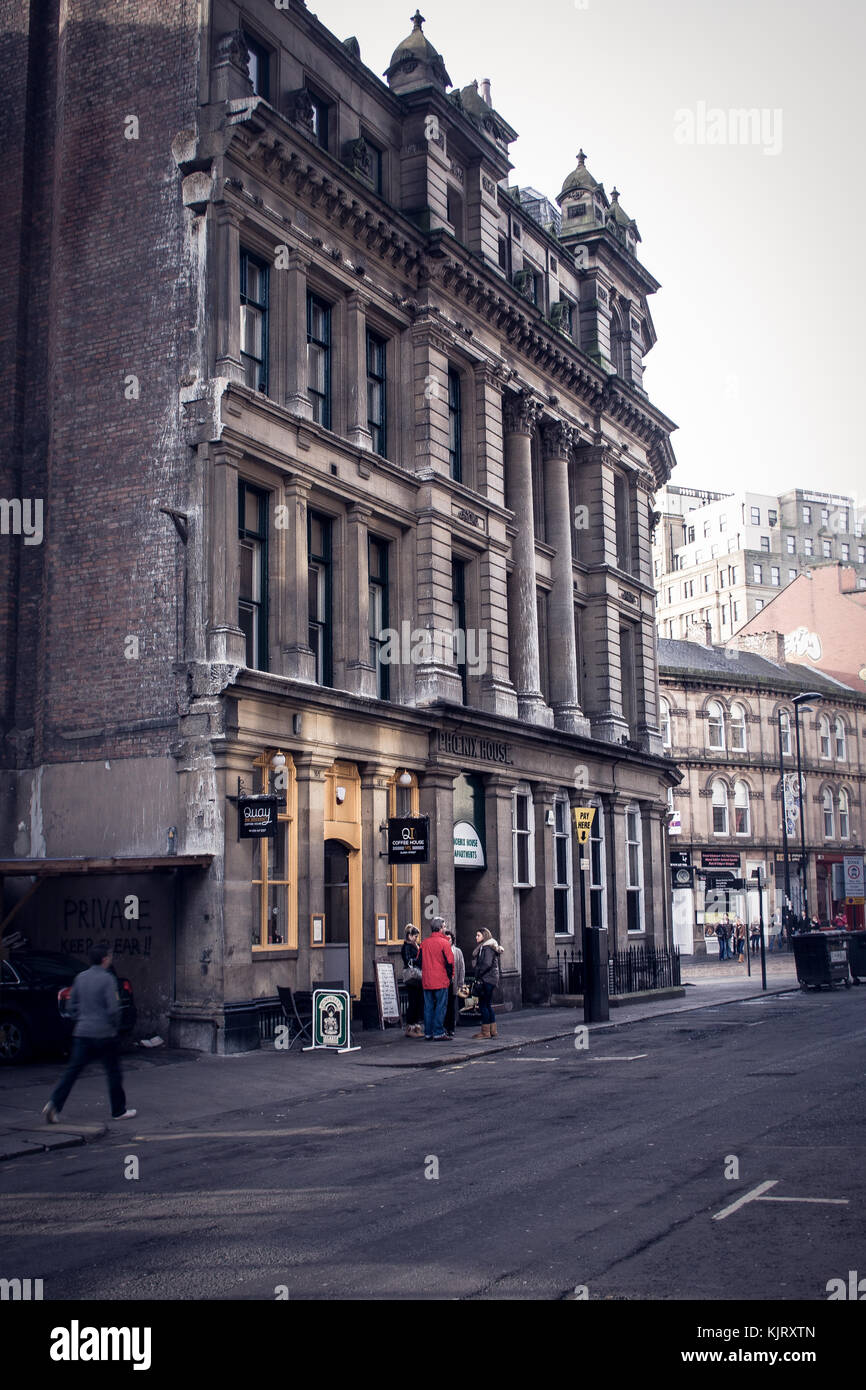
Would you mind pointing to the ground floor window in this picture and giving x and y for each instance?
(634, 868)
(275, 862)
(563, 892)
(404, 880)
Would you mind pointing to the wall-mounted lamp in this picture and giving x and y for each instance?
(405, 778)
(549, 818)
(340, 793)
(278, 761)
(296, 723)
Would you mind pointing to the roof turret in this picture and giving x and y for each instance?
(415, 63)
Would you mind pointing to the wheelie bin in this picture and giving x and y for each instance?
(857, 954)
(821, 958)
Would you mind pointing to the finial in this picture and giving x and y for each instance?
(614, 193)
(417, 20)
(581, 158)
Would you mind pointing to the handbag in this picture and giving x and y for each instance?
(411, 975)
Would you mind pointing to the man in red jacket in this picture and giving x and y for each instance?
(437, 968)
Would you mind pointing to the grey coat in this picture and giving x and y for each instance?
(459, 970)
(94, 1004)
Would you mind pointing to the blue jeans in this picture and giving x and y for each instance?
(485, 1003)
(85, 1050)
(435, 1004)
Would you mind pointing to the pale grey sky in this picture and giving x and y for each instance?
(761, 313)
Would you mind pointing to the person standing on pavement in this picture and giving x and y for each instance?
(95, 1006)
(722, 929)
(485, 962)
(411, 954)
(437, 970)
(457, 983)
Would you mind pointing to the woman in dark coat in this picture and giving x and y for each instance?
(485, 963)
(411, 954)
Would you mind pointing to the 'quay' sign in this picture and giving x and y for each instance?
(408, 839)
(257, 817)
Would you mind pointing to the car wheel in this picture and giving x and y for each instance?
(15, 1045)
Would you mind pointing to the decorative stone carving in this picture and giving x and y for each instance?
(232, 48)
(521, 413)
(557, 439)
(299, 108)
(359, 159)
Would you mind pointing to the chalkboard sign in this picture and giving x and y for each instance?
(386, 993)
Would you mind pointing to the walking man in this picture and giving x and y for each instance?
(94, 1005)
(437, 970)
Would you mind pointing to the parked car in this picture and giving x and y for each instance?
(34, 989)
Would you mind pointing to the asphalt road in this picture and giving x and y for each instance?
(607, 1169)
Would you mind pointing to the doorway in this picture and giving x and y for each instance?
(337, 912)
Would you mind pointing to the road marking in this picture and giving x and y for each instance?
(747, 1197)
(533, 1059)
(829, 1201)
(757, 1195)
(252, 1133)
(634, 1058)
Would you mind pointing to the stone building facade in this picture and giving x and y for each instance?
(721, 708)
(348, 476)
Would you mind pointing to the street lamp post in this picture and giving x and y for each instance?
(804, 872)
(786, 859)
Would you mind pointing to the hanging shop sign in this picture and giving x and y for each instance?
(257, 817)
(468, 849)
(408, 839)
(675, 824)
(682, 876)
(680, 856)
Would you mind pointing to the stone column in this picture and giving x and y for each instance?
(228, 325)
(310, 770)
(226, 643)
(437, 877)
(617, 907)
(356, 371)
(374, 861)
(297, 657)
(360, 675)
(557, 440)
(297, 399)
(436, 675)
(521, 413)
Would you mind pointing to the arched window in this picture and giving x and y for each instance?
(665, 722)
(839, 738)
(634, 867)
(738, 728)
(824, 736)
(785, 725)
(720, 808)
(742, 810)
(715, 725)
(597, 868)
(829, 814)
(844, 821)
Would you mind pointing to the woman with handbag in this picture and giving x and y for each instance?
(485, 962)
(411, 954)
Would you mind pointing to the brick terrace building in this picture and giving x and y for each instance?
(720, 708)
(306, 390)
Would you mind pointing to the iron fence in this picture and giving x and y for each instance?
(628, 972)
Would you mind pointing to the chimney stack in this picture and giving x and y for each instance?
(485, 90)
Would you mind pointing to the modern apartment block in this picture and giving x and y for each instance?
(720, 558)
(348, 476)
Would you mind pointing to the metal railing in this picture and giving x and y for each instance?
(628, 972)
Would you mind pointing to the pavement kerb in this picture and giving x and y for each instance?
(81, 1134)
(484, 1049)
